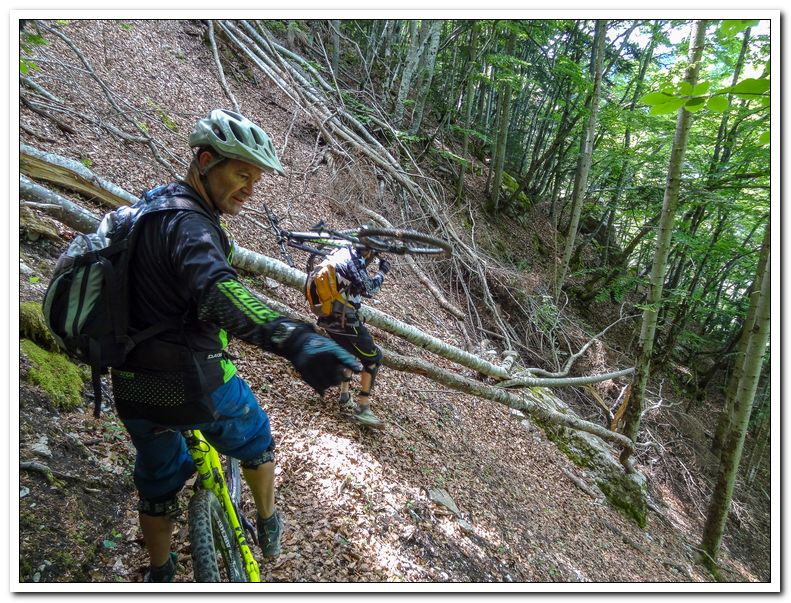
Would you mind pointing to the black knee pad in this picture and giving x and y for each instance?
(162, 506)
(267, 456)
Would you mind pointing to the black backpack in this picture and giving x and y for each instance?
(86, 306)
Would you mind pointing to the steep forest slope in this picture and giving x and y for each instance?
(356, 502)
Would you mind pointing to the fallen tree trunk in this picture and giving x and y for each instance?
(71, 174)
(59, 208)
(521, 402)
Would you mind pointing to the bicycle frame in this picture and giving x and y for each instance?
(210, 476)
(318, 236)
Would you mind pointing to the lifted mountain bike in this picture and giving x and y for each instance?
(320, 241)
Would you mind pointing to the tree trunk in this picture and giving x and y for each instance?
(425, 76)
(726, 416)
(761, 434)
(586, 152)
(71, 174)
(503, 124)
(662, 248)
(468, 96)
(335, 28)
(733, 445)
(413, 57)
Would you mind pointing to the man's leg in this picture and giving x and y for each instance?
(244, 433)
(345, 399)
(269, 524)
(157, 533)
(162, 465)
(366, 383)
(262, 484)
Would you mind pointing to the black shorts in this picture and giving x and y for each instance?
(355, 339)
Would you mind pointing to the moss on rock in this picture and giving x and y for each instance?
(53, 372)
(33, 326)
(625, 492)
(628, 495)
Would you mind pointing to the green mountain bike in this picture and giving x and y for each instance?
(217, 528)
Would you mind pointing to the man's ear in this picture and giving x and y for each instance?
(204, 157)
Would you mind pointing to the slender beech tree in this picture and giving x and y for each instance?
(335, 29)
(733, 445)
(408, 73)
(503, 124)
(726, 416)
(586, 151)
(468, 96)
(662, 248)
(425, 74)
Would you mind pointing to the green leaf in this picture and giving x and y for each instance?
(701, 89)
(35, 279)
(765, 138)
(750, 87)
(685, 88)
(655, 98)
(695, 104)
(718, 104)
(109, 544)
(730, 27)
(668, 107)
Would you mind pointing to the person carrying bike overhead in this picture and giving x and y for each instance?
(334, 291)
(182, 378)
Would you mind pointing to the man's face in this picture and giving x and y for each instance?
(231, 183)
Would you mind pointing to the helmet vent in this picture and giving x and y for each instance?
(257, 137)
(237, 131)
(219, 133)
(232, 114)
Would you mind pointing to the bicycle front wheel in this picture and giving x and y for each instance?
(215, 552)
(401, 242)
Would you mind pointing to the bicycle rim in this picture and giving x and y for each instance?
(402, 242)
(215, 552)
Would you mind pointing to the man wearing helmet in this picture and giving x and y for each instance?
(343, 323)
(182, 378)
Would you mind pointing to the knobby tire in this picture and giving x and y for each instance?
(401, 242)
(215, 552)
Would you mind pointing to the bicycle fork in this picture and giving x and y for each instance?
(207, 462)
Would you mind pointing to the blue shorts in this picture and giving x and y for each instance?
(163, 462)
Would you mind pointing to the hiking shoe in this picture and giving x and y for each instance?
(346, 402)
(165, 573)
(269, 533)
(366, 417)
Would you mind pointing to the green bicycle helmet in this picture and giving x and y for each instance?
(235, 137)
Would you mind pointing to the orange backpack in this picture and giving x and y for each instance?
(321, 289)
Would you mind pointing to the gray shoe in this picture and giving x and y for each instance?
(269, 533)
(366, 417)
(166, 573)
